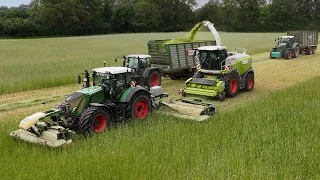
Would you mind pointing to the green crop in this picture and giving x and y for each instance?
(189, 38)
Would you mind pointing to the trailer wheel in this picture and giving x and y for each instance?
(287, 54)
(154, 78)
(314, 50)
(94, 120)
(141, 106)
(296, 52)
(249, 84)
(308, 50)
(175, 77)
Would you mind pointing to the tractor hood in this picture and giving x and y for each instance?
(75, 98)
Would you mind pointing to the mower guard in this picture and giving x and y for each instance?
(204, 87)
(52, 137)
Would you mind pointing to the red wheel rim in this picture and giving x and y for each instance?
(155, 80)
(250, 83)
(141, 109)
(99, 123)
(234, 85)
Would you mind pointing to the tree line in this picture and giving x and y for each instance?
(83, 17)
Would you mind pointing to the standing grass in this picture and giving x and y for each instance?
(28, 64)
(274, 137)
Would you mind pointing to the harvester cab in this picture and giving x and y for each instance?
(219, 72)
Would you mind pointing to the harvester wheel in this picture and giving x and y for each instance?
(94, 120)
(249, 82)
(308, 50)
(154, 78)
(296, 52)
(287, 54)
(233, 85)
(141, 106)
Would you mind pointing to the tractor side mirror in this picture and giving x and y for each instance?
(115, 60)
(79, 79)
(104, 63)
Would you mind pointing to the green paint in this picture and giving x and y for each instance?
(125, 94)
(276, 54)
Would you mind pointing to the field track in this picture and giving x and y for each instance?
(270, 75)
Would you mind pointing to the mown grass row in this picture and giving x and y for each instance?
(28, 64)
(275, 137)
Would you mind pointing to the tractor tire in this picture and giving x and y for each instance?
(94, 120)
(288, 54)
(296, 52)
(314, 50)
(233, 85)
(249, 82)
(140, 106)
(154, 78)
(308, 50)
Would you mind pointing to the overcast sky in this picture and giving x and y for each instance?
(10, 3)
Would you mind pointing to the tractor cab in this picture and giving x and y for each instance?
(133, 61)
(212, 57)
(285, 41)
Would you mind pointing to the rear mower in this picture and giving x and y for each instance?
(113, 98)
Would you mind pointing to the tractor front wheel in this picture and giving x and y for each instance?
(288, 54)
(154, 78)
(141, 106)
(94, 120)
(249, 84)
(296, 52)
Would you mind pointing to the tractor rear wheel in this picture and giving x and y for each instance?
(141, 106)
(154, 78)
(288, 54)
(249, 84)
(296, 52)
(308, 50)
(233, 85)
(94, 120)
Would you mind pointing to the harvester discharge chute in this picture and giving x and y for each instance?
(113, 98)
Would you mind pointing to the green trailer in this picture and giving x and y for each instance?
(172, 59)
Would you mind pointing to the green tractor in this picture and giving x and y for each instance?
(286, 47)
(113, 98)
(220, 73)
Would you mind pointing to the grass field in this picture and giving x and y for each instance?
(269, 133)
(28, 64)
(274, 137)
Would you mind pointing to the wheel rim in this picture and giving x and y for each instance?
(297, 51)
(155, 79)
(250, 83)
(99, 123)
(234, 85)
(141, 109)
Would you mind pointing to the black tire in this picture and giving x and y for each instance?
(90, 117)
(296, 52)
(308, 50)
(249, 82)
(233, 85)
(140, 106)
(175, 77)
(288, 54)
(221, 97)
(314, 50)
(154, 78)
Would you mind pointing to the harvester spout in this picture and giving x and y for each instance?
(213, 31)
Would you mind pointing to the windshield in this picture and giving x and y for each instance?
(133, 62)
(102, 79)
(211, 60)
(284, 40)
